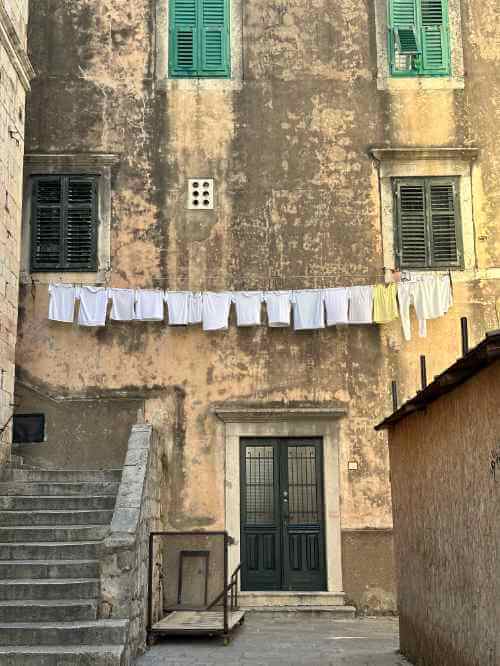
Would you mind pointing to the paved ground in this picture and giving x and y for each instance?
(267, 640)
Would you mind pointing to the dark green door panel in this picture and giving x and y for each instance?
(282, 531)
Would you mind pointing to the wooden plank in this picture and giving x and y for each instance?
(202, 622)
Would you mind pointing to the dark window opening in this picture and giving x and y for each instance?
(28, 428)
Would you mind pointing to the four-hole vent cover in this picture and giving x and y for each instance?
(201, 194)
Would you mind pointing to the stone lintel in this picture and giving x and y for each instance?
(70, 161)
(229, 414)
(410, 154)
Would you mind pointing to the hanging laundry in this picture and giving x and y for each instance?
(123, 304)
(361, 305)
(410, 293)
(436, 296)
(93, 306)
(62, 298)
(278, 305)
(308, 309)
(195, 315)
(216, 307)
(337, 306)
(248, 307)
(149, 305)
(385, 305)
(178, 307)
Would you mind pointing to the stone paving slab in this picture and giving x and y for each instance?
(266, 640)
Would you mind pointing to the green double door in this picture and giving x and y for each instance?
(282, 526)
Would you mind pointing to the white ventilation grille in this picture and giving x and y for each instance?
(201, 194)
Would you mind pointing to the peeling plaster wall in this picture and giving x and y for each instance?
(446, 505)
(297, 205)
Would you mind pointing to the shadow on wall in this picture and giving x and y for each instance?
(79, 433)
(369, 581)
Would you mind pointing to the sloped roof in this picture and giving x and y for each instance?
(485, 354)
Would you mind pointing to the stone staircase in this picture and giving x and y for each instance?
(52, 523)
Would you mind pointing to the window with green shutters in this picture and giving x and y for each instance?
(199, 39)
(419, 43)
(64, 223)
(428, 223)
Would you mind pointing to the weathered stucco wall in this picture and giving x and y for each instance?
(80, 433)
(14, 81)
(446, 504)
(297, 205)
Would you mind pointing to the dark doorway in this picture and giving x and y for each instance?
(282, 527)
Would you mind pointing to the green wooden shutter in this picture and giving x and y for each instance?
(214, 38)
(183, 53)
(403, 35)
(412, 232)
(46, 224)
(443, 222)
(64, 224)
(434, 35)
(80, 229)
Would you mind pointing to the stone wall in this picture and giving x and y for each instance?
(138, 511)
(15, 72)
(446, 506)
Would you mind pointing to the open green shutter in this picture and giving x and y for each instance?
(214, 38)
(410, 198)
(403, 34)
(46, 224)
(80, 229)
(183, 55)
(434, 35)
(443, 216)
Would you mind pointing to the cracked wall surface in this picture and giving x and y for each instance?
(297, 206)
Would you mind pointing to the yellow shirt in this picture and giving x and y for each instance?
(385, 306)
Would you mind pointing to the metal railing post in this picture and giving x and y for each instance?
(226, 623)
(150, 585)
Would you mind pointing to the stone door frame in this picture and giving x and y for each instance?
(281, 423)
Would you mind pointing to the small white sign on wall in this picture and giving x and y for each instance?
(200, 194)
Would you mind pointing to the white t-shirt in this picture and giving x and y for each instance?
(195, 308)
(178, 307)
(308, 309)
(216, 307)
(361, 305)
(248, 307)
(337, 306)
(123, 302)
(278, 308)
(62, 302)
(149, 305)
(93, 306)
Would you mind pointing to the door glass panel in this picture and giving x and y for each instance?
(259, 466)
(302, 485)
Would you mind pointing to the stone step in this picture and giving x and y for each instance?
(55, 502)
(58, 489)
(97, 632)
(33, 610)
(279, 599)
(60, 588)
(37, 655)
(49, 569)
(332, 612)
(66, 533)
(64, 475)
(50, 550)
(58, 518)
